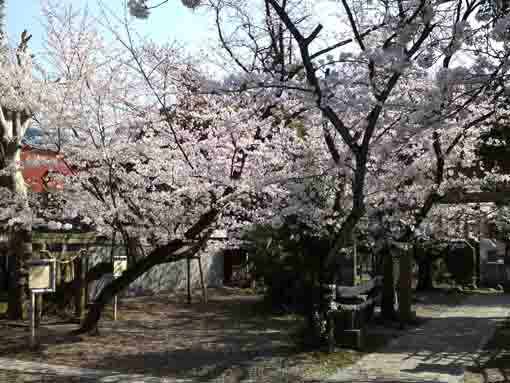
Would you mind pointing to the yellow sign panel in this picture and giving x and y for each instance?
(119, 266)
(42, 276)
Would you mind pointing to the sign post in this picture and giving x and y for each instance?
(119, 266)
(41, 279)
(33, 341)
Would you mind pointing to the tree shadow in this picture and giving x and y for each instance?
(238, 353)
(16, 340)
(198, 364)
(34, 376)
(494, 363)
(231, 340)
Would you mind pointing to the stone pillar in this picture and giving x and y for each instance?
(405, 293)
(348, 266)
(388, 295)
(329, 296)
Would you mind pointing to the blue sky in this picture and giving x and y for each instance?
(170, 22)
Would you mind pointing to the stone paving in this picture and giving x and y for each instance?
(14, 371)
(437, 352)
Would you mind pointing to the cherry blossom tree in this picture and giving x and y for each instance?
(22, 92)
(397, 92)
(157, 157)
(315, 122)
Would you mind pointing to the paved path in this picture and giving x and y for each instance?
(14, 371)
(437, 352)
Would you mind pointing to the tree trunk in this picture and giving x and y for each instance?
(38, 297)
(66, 291)
(172, 252)
(425, 275)
(21, 241)
(405, 291)
(18, 290)
(424, 262)
(388, 297)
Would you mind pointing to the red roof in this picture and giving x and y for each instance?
(43, 162)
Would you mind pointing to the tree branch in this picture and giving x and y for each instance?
(311, 76)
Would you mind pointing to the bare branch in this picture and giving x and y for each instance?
(312, 77)
(224, 42)
(354, 27)
(344, 42)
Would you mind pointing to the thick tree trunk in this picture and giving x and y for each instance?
(21, 241)
(405, 291)
(388, 297)
(172, 252)
(10, 155)
(66, 292)
(18, 290)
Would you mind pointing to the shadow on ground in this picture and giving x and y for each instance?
(232, 339)
(494, 363)
(237, 353)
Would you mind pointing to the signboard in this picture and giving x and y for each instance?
(119, 265)
(42, 275)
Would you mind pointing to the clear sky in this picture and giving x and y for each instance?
(170, 22)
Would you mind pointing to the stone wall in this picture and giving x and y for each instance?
(166, 277)
(493, 271)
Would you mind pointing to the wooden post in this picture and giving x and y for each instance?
(331, 335)
(33, 342)
(77, 280)
(38, 309)
(202, 282)
(39, 297)
(115, 308)
(86, 287)
(80, 291)
(188, 279)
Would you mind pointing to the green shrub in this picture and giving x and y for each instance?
(289, 263)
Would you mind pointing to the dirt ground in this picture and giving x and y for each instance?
(231, 337)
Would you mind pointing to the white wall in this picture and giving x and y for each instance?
(166, 277)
